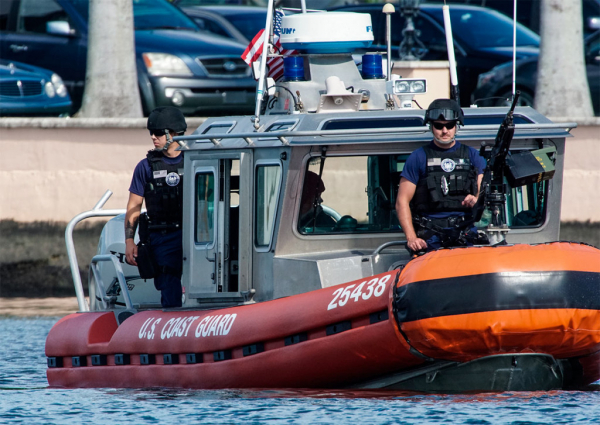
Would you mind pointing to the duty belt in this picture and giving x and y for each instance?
(429, 222)
(163, 228)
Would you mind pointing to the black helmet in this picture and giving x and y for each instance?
(444, 110)
(167, 118)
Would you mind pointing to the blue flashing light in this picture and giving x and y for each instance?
(372, 66)
(293, 68)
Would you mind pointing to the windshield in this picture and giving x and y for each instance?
(149, 14)
(248, 27)
(485, 28)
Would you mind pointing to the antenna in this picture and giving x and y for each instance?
(514, 82)
(389, 10)
(450, 47)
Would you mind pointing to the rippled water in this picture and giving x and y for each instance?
(25, 398)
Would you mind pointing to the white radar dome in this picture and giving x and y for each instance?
(326, 32)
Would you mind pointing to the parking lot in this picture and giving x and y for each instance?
(195, 62)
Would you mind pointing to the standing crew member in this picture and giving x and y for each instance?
(158, 179)
(440, 182)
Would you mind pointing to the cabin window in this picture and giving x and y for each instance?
(495, 120)
(282, 126)
(205, 207)
(526, 205)
(351, 194)
(357, 194)
(353, 124)
(268, 182)
(219, 128)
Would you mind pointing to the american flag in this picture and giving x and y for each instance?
(254, 50)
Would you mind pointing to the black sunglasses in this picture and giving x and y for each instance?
(157, 133)
(449, 125)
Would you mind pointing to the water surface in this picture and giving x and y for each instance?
(26, 399)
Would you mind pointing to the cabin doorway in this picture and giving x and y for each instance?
(219, 209)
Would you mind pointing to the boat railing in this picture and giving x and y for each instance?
(283, 136)
(97, 211)
(101, 288)
(387, 245)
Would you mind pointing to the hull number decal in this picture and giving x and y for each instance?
(177, 327)
(365, 290)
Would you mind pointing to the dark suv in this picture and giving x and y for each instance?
(176, 63)
(528, 11)
(494, 88)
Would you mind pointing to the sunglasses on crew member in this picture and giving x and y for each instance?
(449, 125)
(157, 133)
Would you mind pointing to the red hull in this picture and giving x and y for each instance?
(341, 358)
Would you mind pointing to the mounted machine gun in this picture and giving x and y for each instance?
(507, 170)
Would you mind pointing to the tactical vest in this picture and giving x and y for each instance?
(164, 193)
(449, 177)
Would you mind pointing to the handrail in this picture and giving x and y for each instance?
(368, 131)
(120, 277)
(97, 211)
(386, 245)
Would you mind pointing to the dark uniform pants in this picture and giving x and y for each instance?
(168, 252)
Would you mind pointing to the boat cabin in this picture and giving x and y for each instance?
(250, 236)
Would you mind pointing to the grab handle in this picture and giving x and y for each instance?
(100, 283)
(97, 211)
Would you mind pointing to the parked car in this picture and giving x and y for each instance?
(176, 63)
(483, 38)
(240, 23)
(495, 87)
(528, 11)
(27, 90)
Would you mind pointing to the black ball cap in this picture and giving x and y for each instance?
(167, 118)
(444, 110)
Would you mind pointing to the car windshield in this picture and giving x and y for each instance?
(485, 28)
(248, 27)
(149, 14)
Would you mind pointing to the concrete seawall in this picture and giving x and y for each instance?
(52, 169)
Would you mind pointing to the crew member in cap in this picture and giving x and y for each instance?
(158, 179)
(311, 211)
(440, 182)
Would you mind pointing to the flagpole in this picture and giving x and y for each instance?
(263, 64)
(514, 69)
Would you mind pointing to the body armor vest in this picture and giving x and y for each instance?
(164, 193)
(449, 177)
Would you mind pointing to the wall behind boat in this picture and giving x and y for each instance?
(52, 169)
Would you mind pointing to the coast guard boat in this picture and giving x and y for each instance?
(276, 298)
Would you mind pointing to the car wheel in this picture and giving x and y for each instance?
(525, 99)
